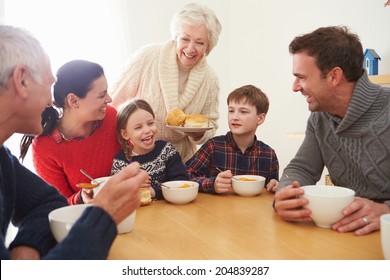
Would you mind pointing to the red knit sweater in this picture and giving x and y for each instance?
(59, 163)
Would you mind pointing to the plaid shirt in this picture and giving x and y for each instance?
(223, 152)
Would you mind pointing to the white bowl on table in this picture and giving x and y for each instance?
(248, 185)
(175, 193)
(127, 225)
(327, 203)
(101, 181)
(61, 220)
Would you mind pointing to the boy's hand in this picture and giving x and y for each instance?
(223, 182)
(272, 185)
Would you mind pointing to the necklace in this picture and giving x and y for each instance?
(96, 125)
(63, 136)
(72, 139)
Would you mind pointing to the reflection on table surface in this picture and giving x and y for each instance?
(223, 227)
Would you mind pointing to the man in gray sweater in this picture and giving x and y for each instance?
(348, 131)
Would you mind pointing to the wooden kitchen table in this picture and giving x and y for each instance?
(226, 227)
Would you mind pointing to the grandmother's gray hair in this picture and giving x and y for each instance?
(194, 14)
(19, 47)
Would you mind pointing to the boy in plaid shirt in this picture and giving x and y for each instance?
(238, 152)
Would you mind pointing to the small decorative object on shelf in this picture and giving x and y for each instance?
(370, 62)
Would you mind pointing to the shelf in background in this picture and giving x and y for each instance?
(383, 79)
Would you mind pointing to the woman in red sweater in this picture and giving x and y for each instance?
(79, 132)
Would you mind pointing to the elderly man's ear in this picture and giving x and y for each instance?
(19, 80)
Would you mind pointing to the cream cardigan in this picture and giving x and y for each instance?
(153, 75)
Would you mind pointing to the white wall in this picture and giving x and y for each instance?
(1, 11)
(260, 34)
(253, 49)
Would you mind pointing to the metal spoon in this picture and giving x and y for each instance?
(90, 177)
(220, 170)
(161, 185)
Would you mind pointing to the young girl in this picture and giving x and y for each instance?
(136, 130)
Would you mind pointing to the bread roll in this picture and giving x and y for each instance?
(175, 118)
(196, 120)
(146, 197)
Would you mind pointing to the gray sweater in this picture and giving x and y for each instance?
(355, 149)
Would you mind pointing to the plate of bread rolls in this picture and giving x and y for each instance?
(178, 120)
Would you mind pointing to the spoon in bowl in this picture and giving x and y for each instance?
(94, 182)
(161, 185)
(91, 185)
(220, 170)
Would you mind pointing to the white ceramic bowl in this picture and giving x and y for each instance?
(327, 203)
(62, 219)
(101, 181)
(248, 185)
(176, 195)
(127, 225)
(385, 235)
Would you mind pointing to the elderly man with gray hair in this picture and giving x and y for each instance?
(26, 200)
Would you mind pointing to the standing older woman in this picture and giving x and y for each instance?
(81, 136)
(176, 74)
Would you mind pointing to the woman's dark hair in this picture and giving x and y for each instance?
(75, 77)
